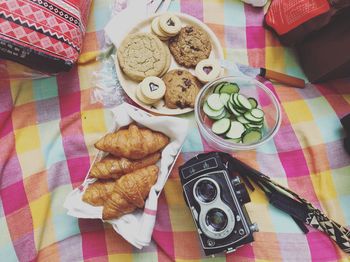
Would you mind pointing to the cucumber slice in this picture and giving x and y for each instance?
(253, 102)
(221, 126)
(236, 130)
(258, 113)
(227, 114)
(252, 118)
(240, 110)
(243, 102)
(251, 136)
(233, 99)
(235, 140)
(222, 115)
(235, 103)
(233, 110)
(224, 98)
(228, 104)
(210, 112)
(218, 87)
(214, 102)
(254, 126)
(242, 120)
(229, 88)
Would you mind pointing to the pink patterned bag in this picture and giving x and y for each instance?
(45, 35)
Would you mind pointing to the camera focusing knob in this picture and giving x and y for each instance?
(242, 194)
(210, 242)
(235, 181)
(254, 227)
(241, 232)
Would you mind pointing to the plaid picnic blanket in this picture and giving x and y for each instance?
(48, 127)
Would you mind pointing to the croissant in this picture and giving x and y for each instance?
(112, 167)
(132, 143)
(130, 192)
(97, 193)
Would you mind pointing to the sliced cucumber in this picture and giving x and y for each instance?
(258, 113)
(231, 99)
(229, 88)
(256, 126)
(240, 110)
(222, 115)
(233, 110)
(252, 118)
(234, 101)
(236, 130)
(218, 87)
(210, 112)
(214, 102)
(227, 114)
(242, 120)
(221, 126)
(251, 136)
(248, 118)
(243, 102)
(253, 102)
(224, 98)
(235, 140)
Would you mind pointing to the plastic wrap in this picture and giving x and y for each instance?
(107, 89)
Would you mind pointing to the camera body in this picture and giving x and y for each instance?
(216, 204)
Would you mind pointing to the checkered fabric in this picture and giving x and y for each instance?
(48, 127)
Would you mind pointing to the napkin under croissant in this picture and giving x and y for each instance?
(133, 153)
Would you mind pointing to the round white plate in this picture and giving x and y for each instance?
(130, 86)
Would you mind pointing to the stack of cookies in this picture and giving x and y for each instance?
(151, 90)
(146, 58)
(166, 26)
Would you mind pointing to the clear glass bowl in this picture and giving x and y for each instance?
(250, 88)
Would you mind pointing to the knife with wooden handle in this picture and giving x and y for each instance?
(272, 75)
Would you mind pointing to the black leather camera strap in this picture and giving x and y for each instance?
(288, 201)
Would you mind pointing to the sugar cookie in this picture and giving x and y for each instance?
(138, 60)
(168, 63)
(153, 88)
(208, 70)
(142, 98)
(170, 24)
(156, 30)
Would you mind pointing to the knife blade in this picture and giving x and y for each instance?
(271, 75)
(158, 6)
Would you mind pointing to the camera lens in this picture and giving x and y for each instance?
(206, 191)
(216, 219)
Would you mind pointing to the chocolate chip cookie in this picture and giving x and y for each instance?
(190, 46)
(181, 89)
(142, 55)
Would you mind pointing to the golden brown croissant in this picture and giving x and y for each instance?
(113, 167)
(132, 143)
(130, 192)
(97, 193)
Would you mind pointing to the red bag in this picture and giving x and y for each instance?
(45, 35)
(293, 20)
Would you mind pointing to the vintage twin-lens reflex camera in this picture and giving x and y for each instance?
(216, 203)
